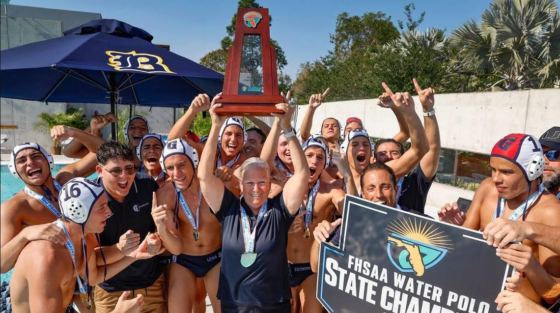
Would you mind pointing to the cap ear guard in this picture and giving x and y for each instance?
(125, 128)
(77, 198)
(150, 135)
(178, 146)
(535, 168)
(232, 121)
(314, 142)
(28, 145)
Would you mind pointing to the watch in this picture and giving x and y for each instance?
(289, 134)
(431, 113)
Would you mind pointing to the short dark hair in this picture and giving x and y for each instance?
(113, 150)
(260, 132)
(378, 167)
(391, 140)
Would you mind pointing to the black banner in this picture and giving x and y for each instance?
(393, 261)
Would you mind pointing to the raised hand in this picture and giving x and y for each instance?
(201, 103)
(385, 101)
(216, 119)
(128, 242)
(98, 122)
(317, 99)
(224, 173)
(402, 101)
(49, 232)
(125, 305)
(341, 161)
(451, 214)
(286, 118)
(159, 213)
(324, 229)
(426, 96)
(287, 97)
(501, 232)
(61, 132)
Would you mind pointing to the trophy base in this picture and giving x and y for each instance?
(249, 105)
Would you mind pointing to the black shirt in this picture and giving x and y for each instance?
(266, 282)
(133, 213)
(415, 189)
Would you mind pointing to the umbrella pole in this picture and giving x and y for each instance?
(113, 95)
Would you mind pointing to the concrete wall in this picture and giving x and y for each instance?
(468, 121)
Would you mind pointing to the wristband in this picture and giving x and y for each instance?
(431, 113)
(289, 134)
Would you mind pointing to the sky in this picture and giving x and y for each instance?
(301, 27)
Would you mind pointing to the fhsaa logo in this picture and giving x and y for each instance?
(414, 247)
(137, 62)
(252, 19)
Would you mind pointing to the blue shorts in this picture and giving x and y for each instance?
(299, 272)
(199, 265)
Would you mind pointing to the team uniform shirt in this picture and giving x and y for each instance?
(133, 213)
(414, 190)
(266, 282)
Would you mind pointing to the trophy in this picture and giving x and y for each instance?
(251, 81)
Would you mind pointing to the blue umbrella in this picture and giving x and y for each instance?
(104, 61)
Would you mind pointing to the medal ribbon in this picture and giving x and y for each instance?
(187, 210)
(519, 211)
(248, 236)
(228, 164)
(83, 286)
(399, 185)
(310, 200)
(44, 200)
(282, 167)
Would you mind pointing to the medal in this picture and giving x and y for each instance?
(194, 220)
(247, 259)
(195, 235)
(307, 233)
(309, 215)
(86, 300)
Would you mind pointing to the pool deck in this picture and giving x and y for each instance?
(58, 159)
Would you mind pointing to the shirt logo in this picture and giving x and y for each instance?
(137, 62)
(137, 207)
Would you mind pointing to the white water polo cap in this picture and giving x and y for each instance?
(523, 150)
(125, 128)
(233, 121)
(151, 135)
(314, 142)
(77, 198)
(355, 134)
(24, 146)
(178, 146)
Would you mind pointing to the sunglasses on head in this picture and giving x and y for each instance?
(552, 155)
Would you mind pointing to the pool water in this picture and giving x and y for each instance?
(9, 186)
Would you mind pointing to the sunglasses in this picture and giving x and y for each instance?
(552, 155)
(116, 172)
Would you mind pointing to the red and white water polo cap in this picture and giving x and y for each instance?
(524, 151)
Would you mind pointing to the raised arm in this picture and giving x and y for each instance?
(199, 104)
(268, 152)
(260, 124)
(211, 186)
(315, 101)
(430, 161)
(76, 149)
(385, 101)
(418, 141)
(295, 188)
(341, 162)
(85, 166)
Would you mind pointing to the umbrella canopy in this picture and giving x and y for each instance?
(104, 61)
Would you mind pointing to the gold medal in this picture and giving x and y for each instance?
(86, 300)
(307, 234)
(195, 234)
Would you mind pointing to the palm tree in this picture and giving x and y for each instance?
(517, 40)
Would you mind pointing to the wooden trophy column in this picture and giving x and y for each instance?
(251, 81)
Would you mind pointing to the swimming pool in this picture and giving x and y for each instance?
(11, 185)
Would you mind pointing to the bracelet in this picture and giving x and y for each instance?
(431, 113)
(289, 134)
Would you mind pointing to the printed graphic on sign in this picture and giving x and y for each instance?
(415, 246)
(137, 62)
(393, 261)
(252, 19)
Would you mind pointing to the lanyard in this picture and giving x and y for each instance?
(310, 199)
(83, 286)
(399, 185)
(282, 167)
(521, 209)
(187, 210)
(160, 176)
(248, 236)
(228, 164)
(44, 199)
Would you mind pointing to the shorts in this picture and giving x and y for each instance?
(154, 298)
(199, 265)
(283, 307)
(299, 272)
